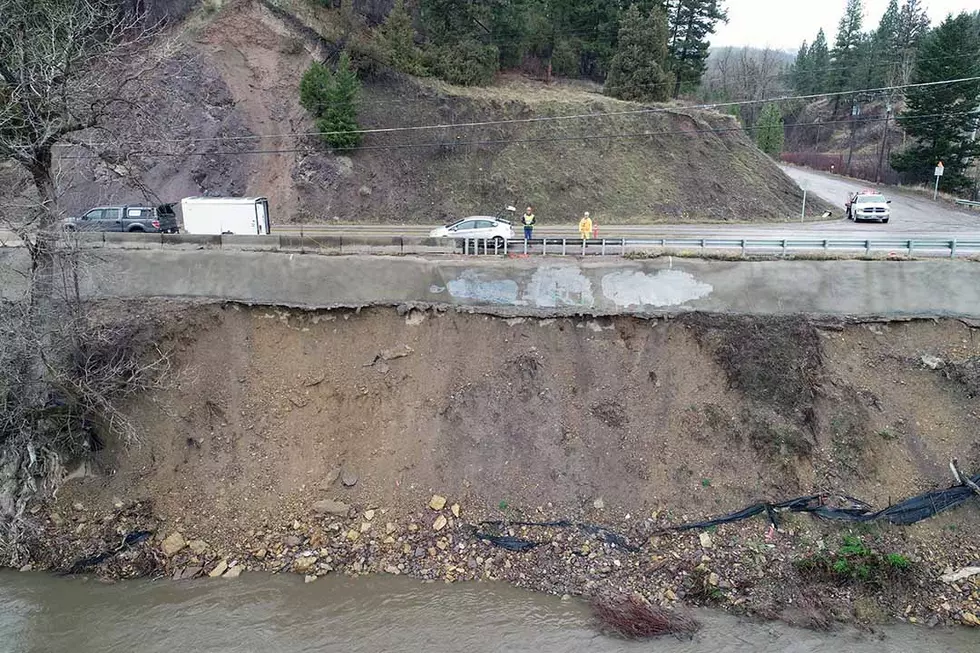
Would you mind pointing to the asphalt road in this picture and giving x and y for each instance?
(913, 216)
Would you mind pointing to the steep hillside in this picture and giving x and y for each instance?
(232, 91)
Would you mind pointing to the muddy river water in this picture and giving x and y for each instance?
(261, 613)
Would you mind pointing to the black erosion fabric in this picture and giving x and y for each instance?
(847, 509)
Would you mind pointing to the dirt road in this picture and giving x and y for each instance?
(910, 212)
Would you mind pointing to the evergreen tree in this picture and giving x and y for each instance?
(637, 71)
(459, 34)
(397, 40)
(819, 62)
(770, 131)
(314, 89)
(691, 23)
(846, 55)
(885, 54)
(913, 25)
(951, 51)
(801, 70)
(332, 100)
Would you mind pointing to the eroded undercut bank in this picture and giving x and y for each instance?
(379, 441)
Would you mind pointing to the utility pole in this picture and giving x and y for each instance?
(855, 112)
(884, 143)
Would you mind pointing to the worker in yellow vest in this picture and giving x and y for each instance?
(585, 226)
(528, 221)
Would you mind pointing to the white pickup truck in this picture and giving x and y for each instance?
(867, 205)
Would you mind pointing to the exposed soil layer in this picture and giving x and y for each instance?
(314, 442)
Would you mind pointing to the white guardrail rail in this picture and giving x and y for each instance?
(744, 246)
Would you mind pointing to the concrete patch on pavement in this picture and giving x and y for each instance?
(628, 288)
(481, 287)
(554, 286)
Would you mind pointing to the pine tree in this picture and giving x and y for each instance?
(819, 61)
(691, 23)
(637, 70)
(332, 100)
(884, 55)
(801, 70)
(951, 51)
(913, 25)
(846, 50)
(397, 40)
(770, 131)
(341, 113)
(314, 89)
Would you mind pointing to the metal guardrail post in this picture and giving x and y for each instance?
(867, 248)
(702, 243)
(952, 248)
(622, 247)
(603, 247)
(563, 244)
(826, 244)
(743, 248)
(525, 247)
(910, 249)
(584, 241)
(544, 247)
(784, 248)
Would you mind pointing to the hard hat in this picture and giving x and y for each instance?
(586, 214)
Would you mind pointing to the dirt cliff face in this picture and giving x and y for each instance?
(314, 442)
(227, 120)
(641, 413)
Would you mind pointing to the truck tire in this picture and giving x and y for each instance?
(136, 229)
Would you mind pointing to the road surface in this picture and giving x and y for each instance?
(913, 216)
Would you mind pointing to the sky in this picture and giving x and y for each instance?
(785, 24)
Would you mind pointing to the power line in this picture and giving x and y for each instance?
(543, 139)
(537, 119)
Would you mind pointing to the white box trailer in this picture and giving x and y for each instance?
(225, 215)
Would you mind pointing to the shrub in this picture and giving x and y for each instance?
(466, 62)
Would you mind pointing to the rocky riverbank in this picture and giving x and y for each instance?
(749, 567)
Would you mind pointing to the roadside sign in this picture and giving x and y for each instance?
(939, 173)
(940, 169)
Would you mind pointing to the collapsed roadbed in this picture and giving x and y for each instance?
(372, 441)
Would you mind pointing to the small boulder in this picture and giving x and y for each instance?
(369, 515)
(348, 478)
(309, 578)
(219, 569)
(437, 502)
(933, 362)
(705, 541)
(440, 523)
(292, 540)
(234, 572)
(304, 564)
(172, 544)
(599, 504)
(198, 546)
(331, 507)
(455, 510)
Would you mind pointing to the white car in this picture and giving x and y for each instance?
(479, 227)
(868, 205)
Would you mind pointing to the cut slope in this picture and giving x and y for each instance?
(234, 88)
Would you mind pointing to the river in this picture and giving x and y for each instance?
(265, 614)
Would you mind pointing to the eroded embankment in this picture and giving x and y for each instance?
(314, 442)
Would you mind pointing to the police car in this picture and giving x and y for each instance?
(868, 204)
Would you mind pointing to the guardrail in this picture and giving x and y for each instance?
(540, 246)
(623, 246)
(967, 202)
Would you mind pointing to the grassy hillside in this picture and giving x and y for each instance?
(234, 88)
